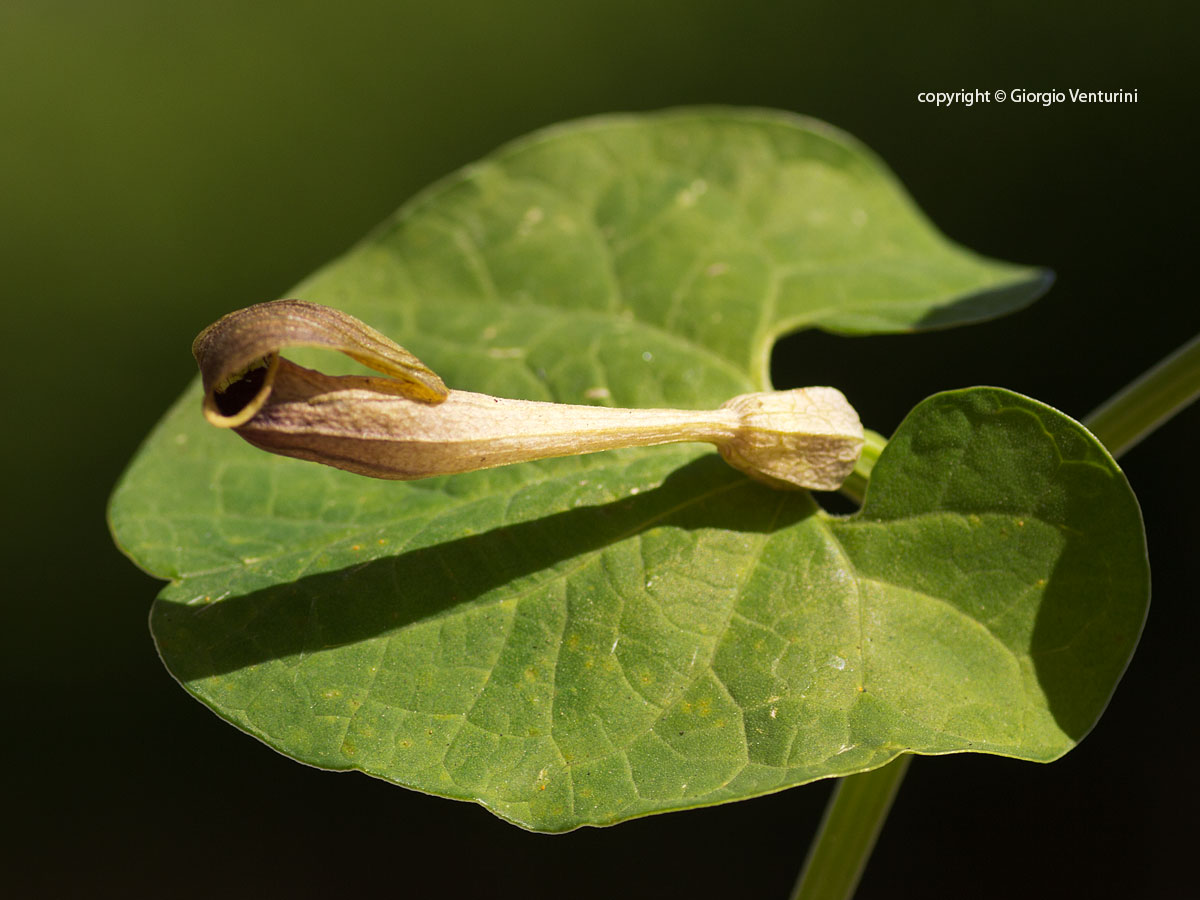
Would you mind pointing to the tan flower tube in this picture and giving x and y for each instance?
(409, 425)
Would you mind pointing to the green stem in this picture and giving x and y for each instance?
(852, 822)
(1141, 407)
(855, 486)
(860, 803)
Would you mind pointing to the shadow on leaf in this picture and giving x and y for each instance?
(364, 601)
(1095, 602)
(990, 303)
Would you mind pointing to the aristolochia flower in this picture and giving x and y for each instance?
(409, 425)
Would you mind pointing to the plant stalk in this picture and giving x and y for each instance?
(1135, 411)
(855, 485)
(846, 837)
(860, 803)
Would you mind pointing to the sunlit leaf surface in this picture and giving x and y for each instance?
(585, 640)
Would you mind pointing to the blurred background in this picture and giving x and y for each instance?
(163, 163)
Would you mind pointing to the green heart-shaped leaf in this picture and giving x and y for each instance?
(584, 640)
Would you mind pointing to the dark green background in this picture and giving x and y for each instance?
(163, 163)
